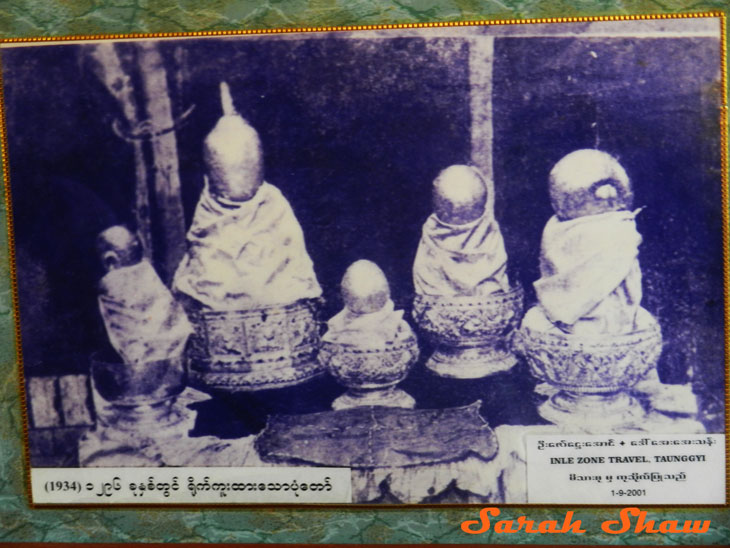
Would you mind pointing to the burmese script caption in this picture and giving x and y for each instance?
(190, 485)
(621, 469)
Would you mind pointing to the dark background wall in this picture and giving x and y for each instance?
(354, 131)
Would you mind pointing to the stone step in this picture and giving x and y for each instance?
(59, 401)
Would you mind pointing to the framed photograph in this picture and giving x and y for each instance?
(471, 264)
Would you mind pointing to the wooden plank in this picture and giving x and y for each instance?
(74, 397)
(481, 60)
(164, 151)
(109, 69)
(42, 397)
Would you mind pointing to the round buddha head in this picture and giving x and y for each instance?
(589, 182)
(118, 247)
(459, 195)
(233, 156)
(364, 287)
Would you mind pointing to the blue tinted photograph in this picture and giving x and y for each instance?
(395, 251)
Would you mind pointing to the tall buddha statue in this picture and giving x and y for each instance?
(245, 246)
(149, 330)
(246, 279)
(588, 337)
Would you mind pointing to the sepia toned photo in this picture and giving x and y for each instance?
(399, 252)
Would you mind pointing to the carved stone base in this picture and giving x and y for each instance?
(604, 410)
(471, 334)
(139, 417)
(135, 397)
(370, 374)
(263, 376)
(386, 397)
(258, 349)
(470, 363)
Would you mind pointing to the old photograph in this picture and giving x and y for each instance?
(395, 251)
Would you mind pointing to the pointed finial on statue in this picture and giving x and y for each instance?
(227, 101)
(232, 153)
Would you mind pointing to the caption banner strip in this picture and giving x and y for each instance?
(306, 485)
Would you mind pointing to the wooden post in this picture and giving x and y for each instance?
(481, 59)
(165, 159)
(108, 68)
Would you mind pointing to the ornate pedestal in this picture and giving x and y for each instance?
(167, 444)
(471, 334)
(370, 375)
(244, 350)
(137, 397)
(593, 375)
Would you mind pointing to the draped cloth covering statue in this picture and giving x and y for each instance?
(590, 276)
(246, 255)
(462, 259)
(375, 330)
(143, 321)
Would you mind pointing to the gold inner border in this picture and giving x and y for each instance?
(725, 194)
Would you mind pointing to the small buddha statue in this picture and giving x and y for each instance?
(368, 345)
(135, 398)
(369, 319)
(590, 280)
(246, 280)
(461, 252)
(142, 319)
(464, 301)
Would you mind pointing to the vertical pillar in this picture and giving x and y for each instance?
(110, 71)
(164, 157)
(481, 59)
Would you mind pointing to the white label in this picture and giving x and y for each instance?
(619, 469)
(190, 485)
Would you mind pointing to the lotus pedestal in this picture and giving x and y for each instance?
(592, 377)
(471, 335)
(371, 375)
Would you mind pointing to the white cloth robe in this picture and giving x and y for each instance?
(142, 319)
(590, 280)
(372, 331)
(461, 260)
(246, 255)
